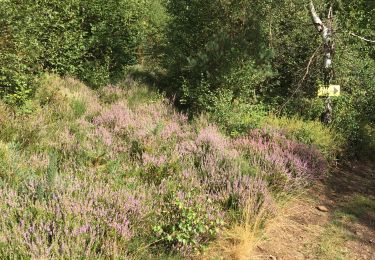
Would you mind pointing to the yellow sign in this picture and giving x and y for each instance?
(332, 91)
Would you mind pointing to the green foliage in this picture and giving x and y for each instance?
(209, 43)
(94, 40)
(357, 17)
(185, 224)
(113, 31)
(353, 66)
(328, 141)
(367, 142)
(38, 35)
(236, 117)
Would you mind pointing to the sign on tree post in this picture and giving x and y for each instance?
(330, 91)
(326, 31)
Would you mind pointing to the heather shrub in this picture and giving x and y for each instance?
(284, 163)
(68, 218)
(313, 133)
(226, 174)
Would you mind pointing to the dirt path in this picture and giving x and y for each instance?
(345, 231)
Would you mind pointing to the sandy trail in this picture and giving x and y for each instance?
(346, 231)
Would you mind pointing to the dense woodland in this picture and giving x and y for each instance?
(149, 129)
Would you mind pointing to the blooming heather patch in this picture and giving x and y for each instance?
(172, 129)
(117, 117)
(96, 178)
(153, 160)
(76, 217)
(211, 138)
(104, 135)
(282, 161)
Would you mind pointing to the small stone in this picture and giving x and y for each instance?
(371, 241)
(322, 208)
(272, 257)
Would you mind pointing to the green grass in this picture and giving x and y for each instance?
(358, 206)
(332, 241)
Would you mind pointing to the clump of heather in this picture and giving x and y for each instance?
(284, 163)
(70, 218)
(223, 176)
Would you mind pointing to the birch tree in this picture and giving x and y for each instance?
(326, 31)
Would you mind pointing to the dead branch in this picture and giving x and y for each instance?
(362, 38)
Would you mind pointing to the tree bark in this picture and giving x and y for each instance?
(326, 31)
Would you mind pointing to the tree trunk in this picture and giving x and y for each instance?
(326, 32)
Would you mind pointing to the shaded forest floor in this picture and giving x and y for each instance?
(345, 231)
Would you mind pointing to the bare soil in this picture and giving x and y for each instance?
(346, 231)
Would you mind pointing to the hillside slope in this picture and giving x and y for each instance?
(118, 172)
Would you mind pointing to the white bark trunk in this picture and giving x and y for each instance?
(326, 33)
(316, 19)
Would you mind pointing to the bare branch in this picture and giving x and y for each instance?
(362, 38)
(300, 83)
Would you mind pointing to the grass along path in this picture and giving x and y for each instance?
(345, 231)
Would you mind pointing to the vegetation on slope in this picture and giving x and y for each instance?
(95, 164)
(118, 172)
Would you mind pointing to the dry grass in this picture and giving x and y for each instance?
(243, 240)
(239, 241)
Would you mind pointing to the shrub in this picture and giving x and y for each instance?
(186, 220)
(89, 177)
(210, 47)
(70, 220)
(236, 116)
(94, 40)
(284, 163)
(330, 142)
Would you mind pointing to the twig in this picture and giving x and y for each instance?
(362, 38)
(301, 81)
